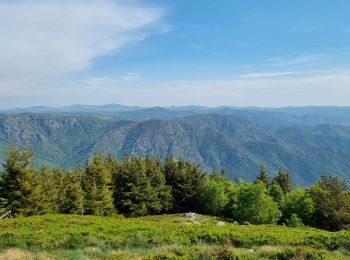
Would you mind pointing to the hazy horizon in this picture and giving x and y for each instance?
(156, 53)
(167, 106)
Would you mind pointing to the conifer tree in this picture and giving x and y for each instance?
(58, 185)
(134, 193)
(263, 177)
(96, 184)
(186, 180)
(283, 180)
(277, 194)
(73, 195)
(48, 192)
(18, 187)
(163, 202)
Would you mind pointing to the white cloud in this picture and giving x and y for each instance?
(303, 89)
(43, 38)
(130, 76)
(298, 60)
(264, 75)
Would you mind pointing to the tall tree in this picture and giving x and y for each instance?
(96, 183)
(154, 173)
(19, 188)
(298, 202)
(73, 195)
(48, 192)
(284, 180)
(276, 192)
(263, 177)
(214, 195)
(58, 185)
(255, 205)
(186, 180)
(134, 194)
(331, 201)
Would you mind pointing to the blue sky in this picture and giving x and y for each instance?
(157, 52)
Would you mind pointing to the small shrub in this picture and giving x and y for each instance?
(294, 221)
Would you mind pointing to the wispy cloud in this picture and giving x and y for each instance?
(264, 75)
(50, 38)
(130, 76)
(298, 60)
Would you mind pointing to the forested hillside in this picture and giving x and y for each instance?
(212, 140)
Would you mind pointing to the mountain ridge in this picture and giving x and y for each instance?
(213, 140)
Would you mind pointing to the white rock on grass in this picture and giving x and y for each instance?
(221, 223)
(191, 215)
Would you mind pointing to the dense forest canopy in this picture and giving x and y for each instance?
(137, 186)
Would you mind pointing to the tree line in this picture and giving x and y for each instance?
(135, 186)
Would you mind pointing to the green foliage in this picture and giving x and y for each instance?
(217, 140)
(140, 187)
(214, 195)
(158, 182)
(19, 188)
(97, 187)
(294, 221)
(144, 186)
(255, 205)
(299, 202)
(283, 180)
(166, 236)
(332, 203)
(186, 180)
(49, 192)
(72, 193)
(277, 195)
(263, 177)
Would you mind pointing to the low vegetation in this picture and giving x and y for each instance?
(163, 237)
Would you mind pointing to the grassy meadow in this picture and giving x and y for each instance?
(163, 237)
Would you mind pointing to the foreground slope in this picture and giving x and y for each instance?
(78, 237)
(213, 140)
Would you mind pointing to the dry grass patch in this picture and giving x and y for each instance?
(18, 254)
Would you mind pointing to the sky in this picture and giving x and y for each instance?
(268, 53)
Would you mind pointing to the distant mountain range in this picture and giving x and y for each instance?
(308, 142)
(270, 116)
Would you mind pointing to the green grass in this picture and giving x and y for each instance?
(162, 237)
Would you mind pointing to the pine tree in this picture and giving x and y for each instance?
(283, 180)
(19, 188)
(163, 201)
(97, 181)
(134, 194)
(48, 192)
(58, 185)
(73, 195)
(277, 194)
(263, 177)
(186, 180)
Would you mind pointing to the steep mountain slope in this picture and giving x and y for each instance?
(213, 140)
(55, 139)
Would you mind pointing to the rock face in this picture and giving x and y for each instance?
(211, 140)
